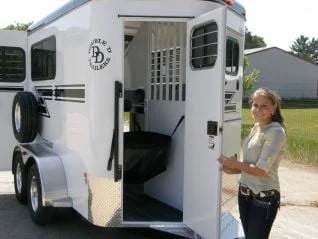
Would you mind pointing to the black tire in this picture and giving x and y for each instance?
(20, 179)
(25, 117)
(40, 215)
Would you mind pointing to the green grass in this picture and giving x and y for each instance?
(302, 133)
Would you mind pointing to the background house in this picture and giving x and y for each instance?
(289, 75)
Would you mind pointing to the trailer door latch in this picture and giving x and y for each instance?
(212, 128)
(114, 151)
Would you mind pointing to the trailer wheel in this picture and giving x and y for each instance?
(25, 118)
(40, 214)
(19, 178)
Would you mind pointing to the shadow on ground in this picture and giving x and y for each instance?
(15, 223)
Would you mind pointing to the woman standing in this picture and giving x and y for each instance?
(259, 191)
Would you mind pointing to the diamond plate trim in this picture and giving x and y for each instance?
(229, 191)
(104, 202)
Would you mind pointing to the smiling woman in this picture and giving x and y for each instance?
(259, 190)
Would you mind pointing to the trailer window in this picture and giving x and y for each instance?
(43, 59)
(12, 64)
(204, 44)
(232, 56)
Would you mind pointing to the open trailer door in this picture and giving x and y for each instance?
(204, 113)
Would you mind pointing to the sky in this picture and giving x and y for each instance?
(279, 22)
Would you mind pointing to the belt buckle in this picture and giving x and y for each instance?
(245, 191)
(268, 193)
(263, 194)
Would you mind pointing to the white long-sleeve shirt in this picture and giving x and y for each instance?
(263, 147)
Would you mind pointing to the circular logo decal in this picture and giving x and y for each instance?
(99, 54)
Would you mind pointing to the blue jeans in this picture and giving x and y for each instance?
(258, 214)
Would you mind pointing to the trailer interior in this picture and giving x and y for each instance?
(154, 108)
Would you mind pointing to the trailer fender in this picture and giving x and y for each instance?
(52, 174)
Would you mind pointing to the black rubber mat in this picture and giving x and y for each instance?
(141, 207)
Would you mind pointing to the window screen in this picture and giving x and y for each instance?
(43, 59)
(204, 44)
(12, 64)
(232, 56)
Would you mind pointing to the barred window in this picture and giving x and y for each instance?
(43, 59)
(232, 56)
(204, 44)
(12, 64)
(167, 56)
(170, 75)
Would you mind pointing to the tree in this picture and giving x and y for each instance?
(305, 48)
(18, 26)
(250, 79)
(253, 41)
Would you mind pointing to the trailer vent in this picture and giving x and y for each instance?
(228, 97)
(230, 108)
(228, 105)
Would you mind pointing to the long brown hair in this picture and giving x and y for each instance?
(275, 99)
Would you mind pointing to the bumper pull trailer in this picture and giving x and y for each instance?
(119, 109)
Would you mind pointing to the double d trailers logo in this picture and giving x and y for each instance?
(99, 54)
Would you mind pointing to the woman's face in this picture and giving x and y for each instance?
(262, 110)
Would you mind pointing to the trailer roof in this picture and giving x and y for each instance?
(236, 7)
(72, 4)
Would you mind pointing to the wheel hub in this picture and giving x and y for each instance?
(17, 117)
(34, 193)
(18, 177)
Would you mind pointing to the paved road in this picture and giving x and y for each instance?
(296, 222)
(15, 222)
(298, 215)
(297, 218)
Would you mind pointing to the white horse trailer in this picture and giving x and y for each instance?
(120, 110)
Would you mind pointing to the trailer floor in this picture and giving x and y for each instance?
(141, 207)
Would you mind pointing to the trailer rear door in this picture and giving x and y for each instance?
(203, 120)
(13, 65)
